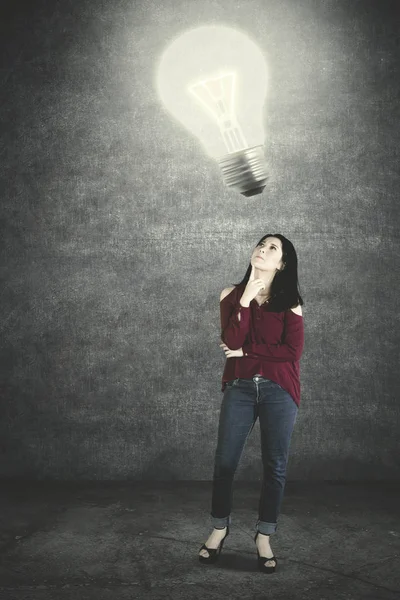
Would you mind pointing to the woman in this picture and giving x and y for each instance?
(263, 337)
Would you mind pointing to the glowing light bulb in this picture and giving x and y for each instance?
(213, 79)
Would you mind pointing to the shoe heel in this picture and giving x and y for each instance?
(262, 559)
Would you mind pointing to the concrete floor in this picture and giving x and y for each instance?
(141, 540)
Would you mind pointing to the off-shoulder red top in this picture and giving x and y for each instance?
(272, 342)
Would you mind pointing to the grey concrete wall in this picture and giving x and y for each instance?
(118, 235)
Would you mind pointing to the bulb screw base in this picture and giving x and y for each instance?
(245, 171)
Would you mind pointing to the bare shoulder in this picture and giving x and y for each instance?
(225, 292)
(297, 310)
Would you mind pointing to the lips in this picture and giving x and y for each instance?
(260, 257)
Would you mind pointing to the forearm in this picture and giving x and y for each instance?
(290, 348)
(236, 329)
(272, 352)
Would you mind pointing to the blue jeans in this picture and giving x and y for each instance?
(244, 400)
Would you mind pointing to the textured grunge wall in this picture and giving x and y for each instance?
(118, 235)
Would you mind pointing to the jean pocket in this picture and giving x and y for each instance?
(276, 385)
(231, 383)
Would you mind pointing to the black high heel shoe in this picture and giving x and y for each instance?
(262, 559)
(213, 553)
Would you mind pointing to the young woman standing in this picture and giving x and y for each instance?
(262, 336)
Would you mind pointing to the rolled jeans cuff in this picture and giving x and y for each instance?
(266, 528)
(220, 522)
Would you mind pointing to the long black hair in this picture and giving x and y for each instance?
(285, 288)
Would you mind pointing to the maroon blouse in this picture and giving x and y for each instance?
(272, 342)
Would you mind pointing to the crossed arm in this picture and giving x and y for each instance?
(235, 325)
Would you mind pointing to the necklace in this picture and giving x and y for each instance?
(262, 299)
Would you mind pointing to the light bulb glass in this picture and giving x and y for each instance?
(213, 79)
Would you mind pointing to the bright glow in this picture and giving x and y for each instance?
(217, 97)
(213, 79)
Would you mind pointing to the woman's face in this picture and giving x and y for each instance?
(270, 251)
